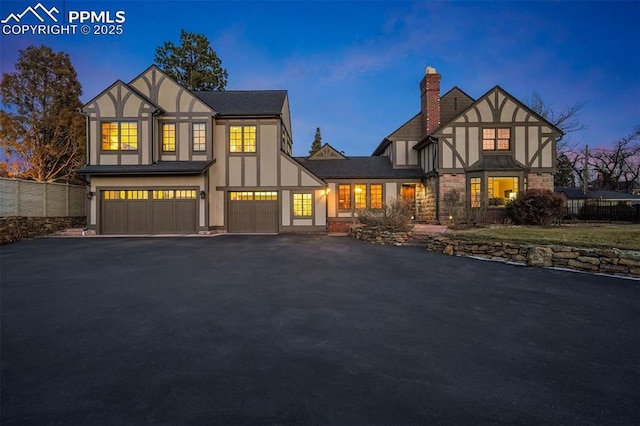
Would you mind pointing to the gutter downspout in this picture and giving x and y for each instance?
(154, 114)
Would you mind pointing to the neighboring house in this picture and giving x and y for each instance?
(162, 159)
(576, 198)
(487, 149)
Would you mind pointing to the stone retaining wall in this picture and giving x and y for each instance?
(16, 228)
(375, 235)
(609, 261)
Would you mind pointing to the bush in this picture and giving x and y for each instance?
(395, 216)
(536, 207)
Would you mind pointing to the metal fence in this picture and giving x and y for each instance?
(37, 199)
(603, 211)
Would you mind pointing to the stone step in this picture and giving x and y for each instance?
(74, 232)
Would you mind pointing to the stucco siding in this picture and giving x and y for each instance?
(286, 207)
(447, 156)
(250, 171)
(219, 149)
(269, 149)
(288, 172)
(320, 207)
(235, 171)
(519, 145)
(390, 191)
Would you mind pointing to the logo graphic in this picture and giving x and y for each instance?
(33, 11)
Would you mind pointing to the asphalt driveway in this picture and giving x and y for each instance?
(307, 330)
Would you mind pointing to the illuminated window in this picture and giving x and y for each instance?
(185, 194)
(126, 195)
(199, 136)
(476, 192)
(361, 196)
(502, 189)
(168, 137)
(242, 139)
(163, 195)
(120, 136)
(376, 196)
(496, 139)
(266, 196)
(302, 205)
(344, 197)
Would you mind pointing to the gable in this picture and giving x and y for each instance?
(453, 103)
(497, 106)
(327, 152)
(119, 101)
(167, 94)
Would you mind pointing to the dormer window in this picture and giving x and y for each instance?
(496, 139)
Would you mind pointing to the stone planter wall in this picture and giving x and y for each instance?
(375, 235)
(609, 261)
(16, 228)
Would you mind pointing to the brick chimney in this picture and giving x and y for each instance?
(430, 101)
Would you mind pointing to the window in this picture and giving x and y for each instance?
(120, 136)
(177, 194)
(476, 192)
(376, 196)
(168, 137)
(361, 196)
(344, 197)
(242, 139)
(502, 189)
(302, 205)
(496, 139)
(199, 137)
(125, 195)
(250, 196)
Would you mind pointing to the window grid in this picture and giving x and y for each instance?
(476, 192)
(168, 137)
(302, 205)
(242, 139)
(199, 137)
(376, 196)
(119, 136)
(361, 196)
(496, 139)
(344, 197)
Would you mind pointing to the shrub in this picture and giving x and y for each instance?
(536, 207)
(395, 216)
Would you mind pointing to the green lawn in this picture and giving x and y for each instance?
(607, 236)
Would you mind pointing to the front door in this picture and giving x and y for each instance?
(408, 193)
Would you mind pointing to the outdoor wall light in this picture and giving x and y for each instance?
(203, 195)
(90, 194)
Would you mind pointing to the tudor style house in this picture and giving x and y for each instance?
(162, 159)
(487, 149)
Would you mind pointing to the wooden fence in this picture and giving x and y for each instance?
(35, 199)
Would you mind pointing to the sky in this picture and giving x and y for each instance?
(353, 68)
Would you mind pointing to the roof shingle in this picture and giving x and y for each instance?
(241, 102)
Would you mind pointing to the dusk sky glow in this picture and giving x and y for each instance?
(353, 68)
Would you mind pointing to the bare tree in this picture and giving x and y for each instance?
(619, 166)
(567, 119)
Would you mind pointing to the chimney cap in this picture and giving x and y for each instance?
(430, 70)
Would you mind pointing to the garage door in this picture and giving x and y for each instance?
(253, 212)
(141, 211)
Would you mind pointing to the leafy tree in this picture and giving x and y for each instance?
(317, 142)
(193, 64)
(564, 177)
(41, 131)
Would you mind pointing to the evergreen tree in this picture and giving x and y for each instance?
(317, 142)
(41, 132)
(193, 64)
(564, 176)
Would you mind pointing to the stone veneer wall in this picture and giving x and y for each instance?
(426, 202)
(16, 228)
(540, 180)
(609, 261)
(448, 182)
